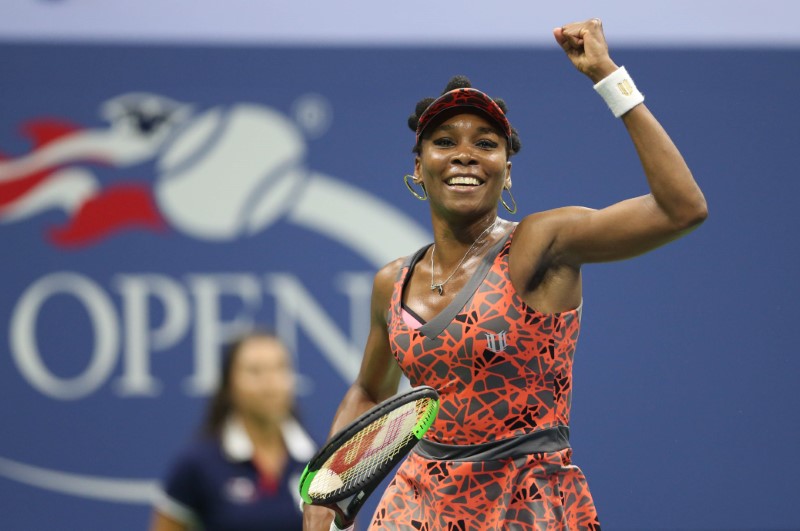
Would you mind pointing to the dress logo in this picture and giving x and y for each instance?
(497, 342)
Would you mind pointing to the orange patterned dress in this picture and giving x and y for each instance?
(498, 455)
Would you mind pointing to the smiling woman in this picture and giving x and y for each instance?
(489, 313)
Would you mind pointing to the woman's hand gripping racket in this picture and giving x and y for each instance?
(347, 469)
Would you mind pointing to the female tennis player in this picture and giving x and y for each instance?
(489, 314)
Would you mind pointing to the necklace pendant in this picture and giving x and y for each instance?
(479, 239)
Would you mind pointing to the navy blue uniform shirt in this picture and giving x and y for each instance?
(215, 486)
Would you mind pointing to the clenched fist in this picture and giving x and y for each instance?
(585, 45)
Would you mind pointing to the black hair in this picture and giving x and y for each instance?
(457, 82)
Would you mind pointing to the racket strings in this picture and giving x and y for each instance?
(369, 450)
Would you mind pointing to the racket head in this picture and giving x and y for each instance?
(360, 456)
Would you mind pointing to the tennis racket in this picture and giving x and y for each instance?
(349, 467)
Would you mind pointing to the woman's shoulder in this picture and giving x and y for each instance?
(390, 273)
(392, 269)
(198, 449)
(192, 461)
(388, 277)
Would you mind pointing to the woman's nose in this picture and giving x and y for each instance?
(463, 156)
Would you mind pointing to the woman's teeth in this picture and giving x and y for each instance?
(469, 181)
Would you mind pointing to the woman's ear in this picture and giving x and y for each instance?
(508, 175)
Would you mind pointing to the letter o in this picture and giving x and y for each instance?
(25, 349)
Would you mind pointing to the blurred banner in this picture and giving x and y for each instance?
(157, 198)
(680, 23)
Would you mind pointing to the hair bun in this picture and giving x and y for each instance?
(457, 82)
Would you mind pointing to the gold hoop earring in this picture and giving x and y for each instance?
(416, 194)
(512, 210)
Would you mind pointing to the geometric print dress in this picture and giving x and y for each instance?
(498, 455)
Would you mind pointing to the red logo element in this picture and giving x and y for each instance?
(50, 176)
(361, 449)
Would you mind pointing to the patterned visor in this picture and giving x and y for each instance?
(465, 97)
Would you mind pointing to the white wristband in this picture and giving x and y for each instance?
(334, 527)
(619, 92)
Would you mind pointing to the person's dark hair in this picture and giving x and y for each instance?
(457, 82)
(220, 404)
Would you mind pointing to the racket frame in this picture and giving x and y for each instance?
(347, 503)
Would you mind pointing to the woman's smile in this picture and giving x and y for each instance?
(463, 180)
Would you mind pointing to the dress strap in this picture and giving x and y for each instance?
(437, 325)
(411, 260)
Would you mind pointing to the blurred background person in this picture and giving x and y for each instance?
(241, 472)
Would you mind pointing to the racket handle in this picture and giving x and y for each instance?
(335, 527)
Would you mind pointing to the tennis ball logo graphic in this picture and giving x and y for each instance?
(230, 172)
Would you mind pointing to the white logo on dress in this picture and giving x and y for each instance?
(497, 342)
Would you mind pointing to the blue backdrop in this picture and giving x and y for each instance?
(269, 189)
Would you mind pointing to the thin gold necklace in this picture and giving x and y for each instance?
(440, 285)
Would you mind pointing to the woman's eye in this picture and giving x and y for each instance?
(445, 142)
(487, 144)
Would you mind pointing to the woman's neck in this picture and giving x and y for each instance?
(461, 232)
(262, 432)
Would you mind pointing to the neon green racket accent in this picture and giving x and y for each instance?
(427, 419)
(305, 481)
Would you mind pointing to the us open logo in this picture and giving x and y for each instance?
(215, 183)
